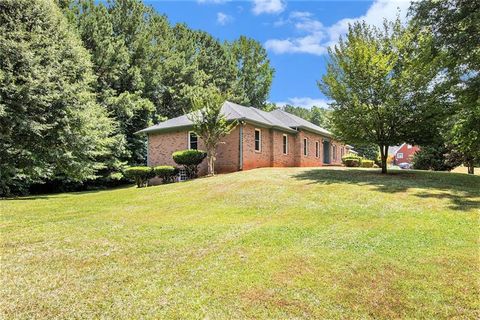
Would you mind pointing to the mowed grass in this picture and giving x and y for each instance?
(266, 243)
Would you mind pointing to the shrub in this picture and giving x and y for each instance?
(352, 159)
(139, 174)
(433, 158)
(352, 162)
(190, 159)
(367, 163)
(166, 173)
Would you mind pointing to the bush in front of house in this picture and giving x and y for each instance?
(352, 163)
(367, 163)
(140, 175)
(190, 159)
(166, 173)
(352, 160)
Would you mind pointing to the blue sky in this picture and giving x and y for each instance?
(296, 34)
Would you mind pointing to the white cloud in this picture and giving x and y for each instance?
(318, 38)
(268, 6)
(223, 18)
(305, 102)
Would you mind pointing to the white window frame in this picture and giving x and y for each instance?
(305, 147)
(189, 142)
(285, 144)
(400, 155)
(317, 149)
(259, 140)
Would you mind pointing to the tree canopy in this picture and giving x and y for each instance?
(79, 78)
(50, 124)
(455, 57)
(369, 78)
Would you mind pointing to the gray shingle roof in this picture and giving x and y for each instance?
(276, 119)
(296, 122)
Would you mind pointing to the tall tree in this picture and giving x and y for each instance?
(50, 124)
(367, 78)
(125, 39)
(254, 72)
(455, 29)
(209, 123)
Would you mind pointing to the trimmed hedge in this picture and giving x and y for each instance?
(190, 159)
(140, 175)
(367, 163)
(351, 156)
(351, 162)
(166, 173)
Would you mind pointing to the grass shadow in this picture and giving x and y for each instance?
(60, 195)
(462, 190)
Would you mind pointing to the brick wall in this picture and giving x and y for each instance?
(279, 159)
(256, 159)
(162, 145)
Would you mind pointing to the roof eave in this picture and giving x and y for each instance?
(155, 130)
(326, 134)
(266, 125)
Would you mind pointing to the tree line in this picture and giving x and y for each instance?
(79, 78)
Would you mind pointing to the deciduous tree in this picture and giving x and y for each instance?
(209, 123)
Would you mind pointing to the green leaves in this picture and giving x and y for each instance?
(367, 77)
(209, 123)
(51, 125)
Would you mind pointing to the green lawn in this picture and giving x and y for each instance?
(266, 243)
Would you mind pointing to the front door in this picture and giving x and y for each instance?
(326, 151)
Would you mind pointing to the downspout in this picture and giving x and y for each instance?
(240, 145)
(148, 146)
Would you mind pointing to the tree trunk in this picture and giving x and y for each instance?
(211, 162)
(384, 157)
(471, 168)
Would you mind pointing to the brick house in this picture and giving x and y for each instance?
(404, 153)
(261, 139)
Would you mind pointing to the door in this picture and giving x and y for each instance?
(326, 151)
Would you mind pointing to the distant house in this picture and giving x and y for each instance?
(261, 139)
(404, 153)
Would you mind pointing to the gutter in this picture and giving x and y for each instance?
(240, 146)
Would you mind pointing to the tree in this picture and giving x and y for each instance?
(454, 28)
(125, 39)
(369, 79)
(209, 123)
(433, 157)
(255, 74)
(368, 151)
(50, 125)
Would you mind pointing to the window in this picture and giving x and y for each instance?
(192, 140)
(258, 140)
(305, 147)
(342, 152)
(400, 155)
(317, 149)
(334, 147)
(285, 144)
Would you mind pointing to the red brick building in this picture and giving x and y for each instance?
(404, 154)
(261, 139)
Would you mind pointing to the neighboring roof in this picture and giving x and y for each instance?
(393, 149)
(276, 119)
